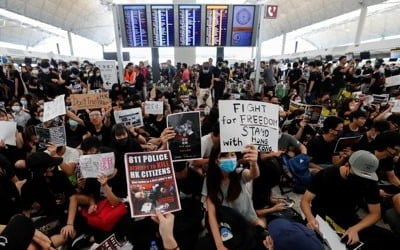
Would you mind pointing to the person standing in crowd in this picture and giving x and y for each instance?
(269, 77)
(314, 82)
(339, 74)
(219, 81)
(95, 81)
(294, 77)
(205, 84)
(14, 80)
(130, 74)
(377, 81)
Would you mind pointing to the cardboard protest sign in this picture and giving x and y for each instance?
(108, 70)
(154, 107)
(129, 117)
(54, 108)
(111, 243)
(55, 135)
(151, 183)
(91, 166)
(248, 122)
(8, 131)
(187, 143)
(90, 101)
(346, 142)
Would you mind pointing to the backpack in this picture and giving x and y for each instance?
(298, 166)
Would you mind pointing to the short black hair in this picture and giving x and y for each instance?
(90, 142)
(386, 140)
(331, 122)
(394, 119)
(340, 58)
(381, 126)
(357, 114)
(295, 64)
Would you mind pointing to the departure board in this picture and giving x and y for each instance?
(242, 25)
(216, 25)
(136, 25)
(189, 25)
(162, 17)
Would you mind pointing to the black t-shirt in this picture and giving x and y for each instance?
(347, 132)
(104, 135)
(364, 144)
(49, 87)
(205, 79)
(320, 150)
(96, 82)
(315, 77)
(74, 137)
(192, 184)
(139, 82)
(338, 198)
(9, 196)
(378, 85)
(385, 165)
(338, 77)
(367, 71)
(294, 75)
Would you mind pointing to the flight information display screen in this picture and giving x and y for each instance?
(216, 25)
(135, 25)
(162, 18)
(189, 25)
(242, 25)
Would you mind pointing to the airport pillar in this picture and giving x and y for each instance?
(283, 44)
(71, 47)
(118, 44)
(220, 54)
(185, 55)
(361, 22)
(155, 64)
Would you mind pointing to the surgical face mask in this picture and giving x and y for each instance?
(60, 68)
(45, 70)
(16, 108)
(41, 119)
(97, 74)
(35, 72)
(73, 123)
(228, 165)
(24, 103)
(90, 74)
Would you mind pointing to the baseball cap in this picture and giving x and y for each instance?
(364, 164)
(287, 234)
(40, 161)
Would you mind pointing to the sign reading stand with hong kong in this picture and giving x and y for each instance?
(248, 122)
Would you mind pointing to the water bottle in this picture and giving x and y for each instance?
(153, 245)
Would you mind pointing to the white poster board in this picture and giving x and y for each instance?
(108, 70)
(54, 108)
(396, 106)
(392, 81)
(91, 166)
(129, 117)
(8, 131)
(248, 122)
(154, 107)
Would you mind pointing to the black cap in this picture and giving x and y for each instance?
(40, 161)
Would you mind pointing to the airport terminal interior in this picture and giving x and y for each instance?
(200, 124)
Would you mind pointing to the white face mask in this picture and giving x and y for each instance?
(97, 74)
(60, 68)
(45, 70)
(16, 108)
(35, 72)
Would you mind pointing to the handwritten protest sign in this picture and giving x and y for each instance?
(91, 166)
(108, 70)
(151, 183)
(7, 132)
(129, 117)
(54, 108)
(90, 101)
(248, 122)
(154, 107)
(392, 81)
(55, 135)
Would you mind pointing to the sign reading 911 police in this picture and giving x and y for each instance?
(248, 122)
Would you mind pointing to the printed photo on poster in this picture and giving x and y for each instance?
(55, 135)
(129, 117)
(313, 113)
(248, 122)
(187, 143)
(151, 183)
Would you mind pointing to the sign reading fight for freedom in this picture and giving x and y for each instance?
(248, 122)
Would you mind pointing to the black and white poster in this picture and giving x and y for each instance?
(129, 117)
(55, 135)
(187, 143)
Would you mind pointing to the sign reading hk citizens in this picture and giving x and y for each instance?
(248, 122)
(271, 11)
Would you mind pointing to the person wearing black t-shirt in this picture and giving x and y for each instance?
(339, 74)
(377, 81)
(205, 84)
(314, 82)
(321, 147)
(48, 80)
(294, 76)
(356, 126)
(336, 192)
(366, 141)
(219, 79)
(95, 81)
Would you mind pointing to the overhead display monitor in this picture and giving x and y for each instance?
(189, 25)
(216, 25)
(242, 25)
(395, 53)
(162, 19)
(135, 26)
